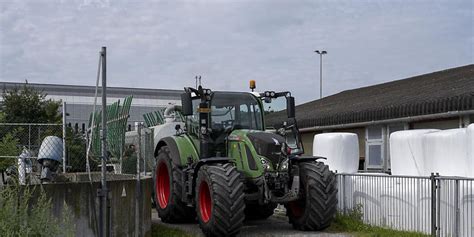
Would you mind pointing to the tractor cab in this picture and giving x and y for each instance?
(213, 116)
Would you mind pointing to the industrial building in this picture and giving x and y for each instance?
(80, 99)
(441, 100)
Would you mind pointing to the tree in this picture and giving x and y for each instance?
(27, 104)
(23, 104)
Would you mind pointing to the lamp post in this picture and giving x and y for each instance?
(321, 53)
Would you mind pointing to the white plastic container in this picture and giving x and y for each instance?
(51, 148)
(340, 149)
(406, 152)
(445, 152)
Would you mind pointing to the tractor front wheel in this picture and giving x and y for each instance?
(317, 205)
(168, 190)
(220, 200)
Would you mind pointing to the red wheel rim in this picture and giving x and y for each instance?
(205, 203)
(297, 208)
(162, 185)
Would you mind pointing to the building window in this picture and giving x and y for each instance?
(375, 156)
(374, 148)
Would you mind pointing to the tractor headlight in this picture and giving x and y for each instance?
(284, 165)
(266, 166)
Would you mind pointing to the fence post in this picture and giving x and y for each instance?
(343, 194)
(433, 205)
(29, 137)
(103, 137)
(438, 205)
(456, 206)
(138, 190)
(64, 137)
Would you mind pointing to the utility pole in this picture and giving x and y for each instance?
(321, 53)
(103, 189)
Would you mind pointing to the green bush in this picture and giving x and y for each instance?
(27, 211)
(8, 147)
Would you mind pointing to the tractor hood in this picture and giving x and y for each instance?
(267, 145)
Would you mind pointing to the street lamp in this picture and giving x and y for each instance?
(321, 53)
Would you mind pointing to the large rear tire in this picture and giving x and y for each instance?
(220, 200)
(168, 190)
(259, 212)
(317, 206)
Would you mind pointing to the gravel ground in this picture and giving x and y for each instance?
(274, 226)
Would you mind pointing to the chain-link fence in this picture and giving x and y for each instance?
(139, 148)
(24, 146)
(436, 205)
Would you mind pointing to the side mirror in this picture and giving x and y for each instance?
(290, 106)
(186, 104)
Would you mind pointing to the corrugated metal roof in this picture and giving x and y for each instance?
(437, 92)
(76, 90)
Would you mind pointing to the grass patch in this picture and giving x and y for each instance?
(158, 230)
(352, 223)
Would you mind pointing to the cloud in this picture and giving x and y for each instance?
(164, 44)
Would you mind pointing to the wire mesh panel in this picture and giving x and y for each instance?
(23, 146)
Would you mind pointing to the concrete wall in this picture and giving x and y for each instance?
(81, 199)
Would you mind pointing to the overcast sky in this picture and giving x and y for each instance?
(164, 44)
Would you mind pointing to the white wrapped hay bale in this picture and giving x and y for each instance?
(470, 150)
(340, 149)
(406, 152)
(445, 152)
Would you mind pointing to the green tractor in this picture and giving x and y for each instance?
(223, 167)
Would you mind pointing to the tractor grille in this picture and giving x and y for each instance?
(267, 144)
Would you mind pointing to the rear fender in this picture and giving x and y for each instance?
(298, 159)
(181, 148)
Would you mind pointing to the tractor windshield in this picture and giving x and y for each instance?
(231, 111)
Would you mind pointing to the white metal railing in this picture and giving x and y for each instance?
(437, 205)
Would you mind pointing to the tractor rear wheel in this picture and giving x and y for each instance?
(168, 189)
(259, 212)
(220, 200)
(317, 204)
